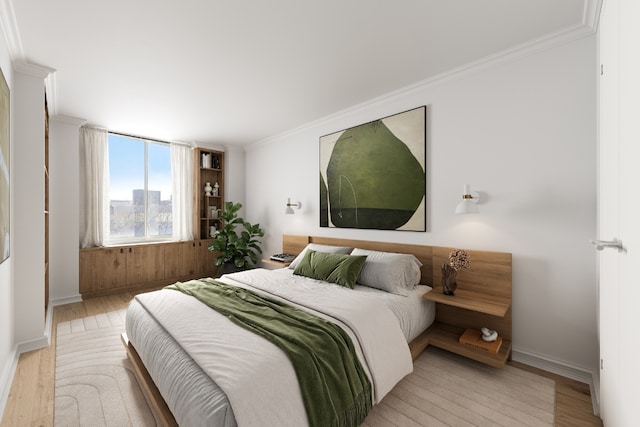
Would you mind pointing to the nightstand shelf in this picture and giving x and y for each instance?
(476, 301)
(446, 337)
(276, 263)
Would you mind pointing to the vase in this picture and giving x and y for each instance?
(207, 189)
(449, 283)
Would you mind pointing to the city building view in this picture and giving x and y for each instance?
(127, 217)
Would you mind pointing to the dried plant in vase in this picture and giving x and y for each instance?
(458, 260)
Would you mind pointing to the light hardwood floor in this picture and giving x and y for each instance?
(30, 401)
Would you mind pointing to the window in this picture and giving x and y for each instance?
(140, 194)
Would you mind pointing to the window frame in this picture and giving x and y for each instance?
(133, 240)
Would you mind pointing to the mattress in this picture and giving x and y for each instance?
(192, 396)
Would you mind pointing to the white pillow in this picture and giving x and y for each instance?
(390, 272)
(320, 248)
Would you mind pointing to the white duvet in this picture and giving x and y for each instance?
(256, 376)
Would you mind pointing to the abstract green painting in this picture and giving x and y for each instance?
(372, 176)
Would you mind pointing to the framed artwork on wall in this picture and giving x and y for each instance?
(5, 182)
(373, 176)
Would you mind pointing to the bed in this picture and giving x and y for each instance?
(198, 368)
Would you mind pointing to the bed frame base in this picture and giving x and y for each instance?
(159, 407)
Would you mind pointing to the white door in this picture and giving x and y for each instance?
(608, 211)
(619, 212)
(629, 175)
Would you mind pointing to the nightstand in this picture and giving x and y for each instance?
(470, 309)
(279, 264)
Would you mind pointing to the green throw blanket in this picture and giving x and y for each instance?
(335, 389)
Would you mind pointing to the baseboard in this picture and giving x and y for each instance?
(35, 344)
(45, 340)
(66, 300)
(595, 395)
(564, 369)
(6, 379)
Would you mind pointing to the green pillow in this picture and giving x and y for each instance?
(335, 268)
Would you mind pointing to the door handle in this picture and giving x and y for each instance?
(603, 244)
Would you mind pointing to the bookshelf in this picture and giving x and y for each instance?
(209, 168)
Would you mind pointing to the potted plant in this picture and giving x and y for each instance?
(238, 250)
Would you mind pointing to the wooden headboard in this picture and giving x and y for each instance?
(490, 272)
(488, 280)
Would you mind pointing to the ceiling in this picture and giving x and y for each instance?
(237, 72)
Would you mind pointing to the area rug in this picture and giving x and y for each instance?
(449, 390)
(95, 386)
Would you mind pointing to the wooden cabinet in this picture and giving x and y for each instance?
(204, 259)
(102, 269)
(190, 259)
(135, 267)
(178, 259)
(145, 263)
(209, 169)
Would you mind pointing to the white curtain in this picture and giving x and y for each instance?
(94, 158)
(182, 180)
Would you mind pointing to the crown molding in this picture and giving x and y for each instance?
(10, 30)
(41, 72)
(68, 120)
(31, 69)
(591, 14)
(51, 88)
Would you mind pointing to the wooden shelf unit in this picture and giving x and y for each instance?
(483, 299)
(202, 218)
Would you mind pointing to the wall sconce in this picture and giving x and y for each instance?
(469, 203)
(289, 209)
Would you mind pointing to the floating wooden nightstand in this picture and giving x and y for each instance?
(276, 263)
(483, 299)
(468, 309)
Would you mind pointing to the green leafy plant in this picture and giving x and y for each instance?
(237, 240)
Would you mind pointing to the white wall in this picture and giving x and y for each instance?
(7, 344)
(27, 176)
(64, 216)
(522, 131)
(234, 180)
